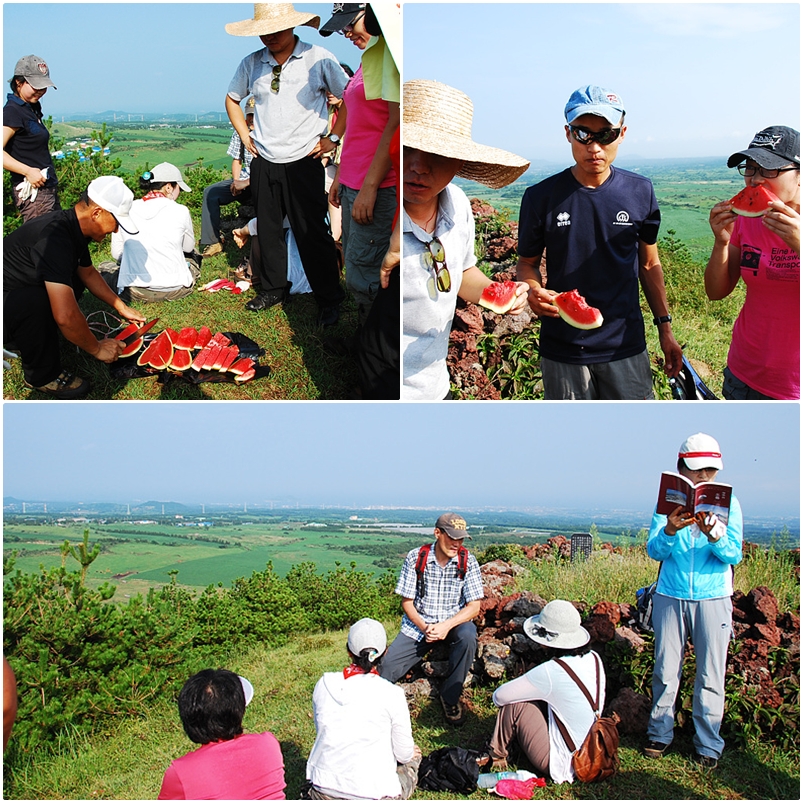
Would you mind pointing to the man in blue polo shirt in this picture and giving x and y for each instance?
(598, 226)
(289, 80)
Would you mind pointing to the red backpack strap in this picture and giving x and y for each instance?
(420, 566)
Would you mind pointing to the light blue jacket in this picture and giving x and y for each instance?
(692, 567)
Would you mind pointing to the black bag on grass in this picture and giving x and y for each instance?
(449, 769)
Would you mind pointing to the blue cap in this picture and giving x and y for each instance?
(594, 100)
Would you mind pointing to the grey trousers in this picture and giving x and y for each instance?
(109, 271)
(708, 623)
(628, 379)
(525, 723)
(408, 778)
(404, 653)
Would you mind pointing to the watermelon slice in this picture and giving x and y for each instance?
(242, 366)
(159, 352)
(230, 354)
(574, 310)
(499, 297)
(200, 358)
(172, 334)
(131, 348)
(214, 353)
(186, 338)
(219, 340)
(752, 201)
(204, 336)
(249, 374)
(182, 359)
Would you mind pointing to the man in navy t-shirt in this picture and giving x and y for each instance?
(598, 227)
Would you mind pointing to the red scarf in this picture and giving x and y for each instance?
(352, 669)
(153, 194)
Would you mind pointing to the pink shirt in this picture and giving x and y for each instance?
(765, 350)
(365, 122)
(248, 767)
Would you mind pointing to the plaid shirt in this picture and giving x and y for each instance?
(445, 594)
(238, 151)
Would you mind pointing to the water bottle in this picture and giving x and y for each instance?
(487, 780)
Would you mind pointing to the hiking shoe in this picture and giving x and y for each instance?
(454, 713)
(265, 300)
(65, 386)
(655, 749)
(212, 250)
(708, 762)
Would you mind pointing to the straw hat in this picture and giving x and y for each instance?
(437, 119)
(271, 18)
(558, 625)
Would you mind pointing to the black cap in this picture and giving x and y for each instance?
(343, 14)
(773, 147)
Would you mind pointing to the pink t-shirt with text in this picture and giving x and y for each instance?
(765, 350)
(248, 767)
(365, 122)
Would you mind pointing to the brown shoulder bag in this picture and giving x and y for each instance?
(598, 756)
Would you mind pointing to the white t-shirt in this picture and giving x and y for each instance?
(427, 312)
(154, 258)
(364, 730)
(552, 683)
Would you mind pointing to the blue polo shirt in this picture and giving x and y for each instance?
(591, 237)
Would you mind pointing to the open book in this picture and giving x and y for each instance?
(714, 497)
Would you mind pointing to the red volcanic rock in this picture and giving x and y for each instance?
(468, 318)
(500, 248)
(764, 603)
(627, 637)
(768, 633)
(633, 710)
(609, 609)
(481, 210)
(601, 628)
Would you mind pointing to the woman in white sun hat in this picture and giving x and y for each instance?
(438, 227)
(529, 705)
(364, 748)
(693, 601)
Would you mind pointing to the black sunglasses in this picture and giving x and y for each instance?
(546, 635)
(277, 76)
(350, 27)
(586, 137)
(443, 279)
(764, 172)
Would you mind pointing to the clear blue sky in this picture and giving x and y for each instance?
(141, 57)
(511, 454)
(697, 79)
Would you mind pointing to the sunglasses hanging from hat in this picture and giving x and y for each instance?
(277, 76)
(546, 635)
(764, 172)
(585, 137)
(443, 279)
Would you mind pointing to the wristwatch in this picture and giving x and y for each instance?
(333, 138)
(663, 319)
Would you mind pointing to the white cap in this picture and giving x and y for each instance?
(368, 634)
(700, 451)
(167, 172)
(248, 689)
(111, 194)
(558, 625)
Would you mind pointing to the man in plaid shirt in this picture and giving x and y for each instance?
(442, 611)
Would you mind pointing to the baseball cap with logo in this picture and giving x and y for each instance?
(109, 193)
(772, 147)
(35, 71)
(700, 451)
(594, 100)
(453, 525)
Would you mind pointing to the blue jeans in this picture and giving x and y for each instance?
(404, 653)
(709, 624)
(215, 196)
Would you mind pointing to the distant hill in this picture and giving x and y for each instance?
(115, 116)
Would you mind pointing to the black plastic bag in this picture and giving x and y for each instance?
(449, 769)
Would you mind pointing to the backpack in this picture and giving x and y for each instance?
(644, 606)
(449, 769)
(598, 756)
(421, 564)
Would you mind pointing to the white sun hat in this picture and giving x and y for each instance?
(558, 625)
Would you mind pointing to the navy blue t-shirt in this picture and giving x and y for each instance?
(30, 143)
(591, 238)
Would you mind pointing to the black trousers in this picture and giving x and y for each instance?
(29, 326)
(378, 356)
(295, 189)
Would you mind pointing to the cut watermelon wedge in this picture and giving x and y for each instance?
(242, 366)
(204, 336)
(499, 297)
(752, 201)
(182, 359)
(576, 312)
(186, 338)
(132, 348)
(159, 352)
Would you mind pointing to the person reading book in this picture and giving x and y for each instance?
(697, 551)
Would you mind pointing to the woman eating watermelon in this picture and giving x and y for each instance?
(757, 237)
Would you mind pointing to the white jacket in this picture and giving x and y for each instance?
(364, 730)
(154, 258)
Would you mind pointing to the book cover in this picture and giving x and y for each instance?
(676, 490)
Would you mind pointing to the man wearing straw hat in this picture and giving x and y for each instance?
(289, 80)
(438, 260)
(598, 226)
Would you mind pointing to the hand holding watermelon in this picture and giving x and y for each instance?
(784, 221)
(504, 297)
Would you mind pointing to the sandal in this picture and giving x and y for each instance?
(65, 386)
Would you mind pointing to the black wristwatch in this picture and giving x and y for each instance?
(333, 138)
(663, 319)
